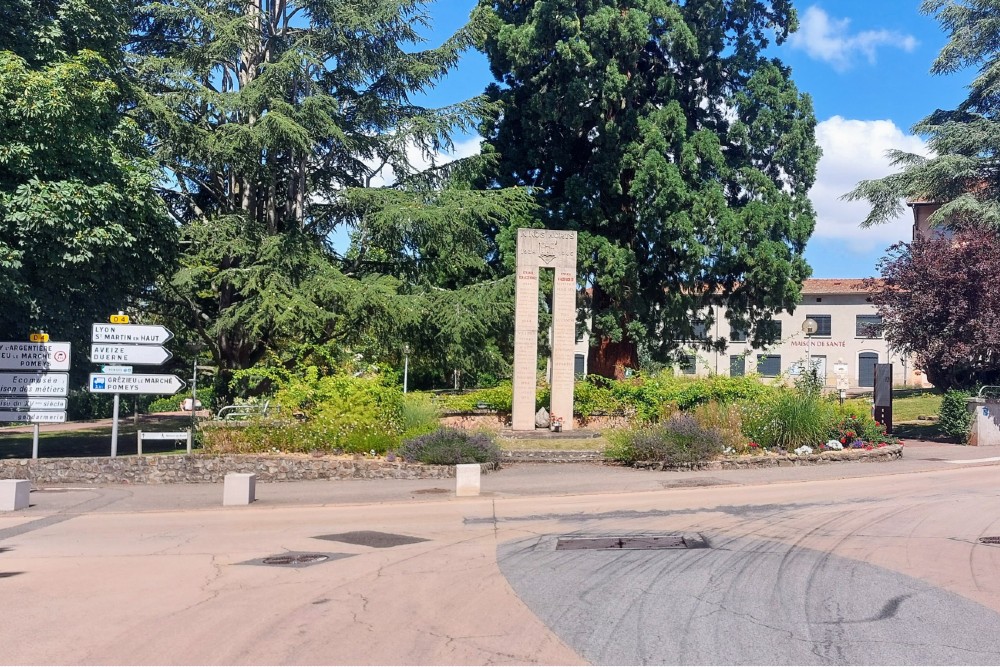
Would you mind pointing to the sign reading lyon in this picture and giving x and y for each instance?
(536, 249)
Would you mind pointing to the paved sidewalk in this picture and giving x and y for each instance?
(512, 481)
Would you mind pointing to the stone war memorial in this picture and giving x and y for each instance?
(538, 249)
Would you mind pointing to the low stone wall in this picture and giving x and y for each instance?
(213, 469)
(881, 454)
(551, 456)
(496, 422)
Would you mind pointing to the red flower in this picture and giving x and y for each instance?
(843, 441)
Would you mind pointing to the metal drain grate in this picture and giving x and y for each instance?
(638, 542)
(435, 490)
(295, 559)
(372, 538)
(299, 559)
(990, 540)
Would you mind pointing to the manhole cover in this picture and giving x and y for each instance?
(990, 540)
(300, 559)
(371, 538)
(296, 559)
(648, 542)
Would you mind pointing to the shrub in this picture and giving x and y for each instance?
(678, 440)
(955, 420)
(724, 419)
(419, 415)
(497, 398)
(451, 446)
(856, 428)
(788, 420)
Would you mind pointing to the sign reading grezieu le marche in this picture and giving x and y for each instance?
(21, 356)
(39, 417)
(32, 404)
(105, 383)
(135, 334)
(34, 384)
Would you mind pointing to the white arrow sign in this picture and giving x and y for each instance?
(33, 404)
(32, 417)
(18, 356)
(128, 354)
(135, 334)
(34, 384)
(106, 383)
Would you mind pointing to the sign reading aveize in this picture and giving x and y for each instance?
(129, 354)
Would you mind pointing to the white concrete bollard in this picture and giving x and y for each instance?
(239, 488)
(14, 494)
(467, 479)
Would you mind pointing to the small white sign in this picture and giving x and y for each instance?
(39, 417)
(33, 404)
(105, 383)
(34, 384)
(843, 382)
(840, 369)
(117, 370)
(20, 356)
(102, 353)
(165, 435)
(134, 334)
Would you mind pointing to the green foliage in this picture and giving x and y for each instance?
(173, 403)
(497, 398)
(684, 196)
(419, 415)
(450, 446)
(955, 420)
(679, 440)
(82, 233)
(274, 123)
(857, 429)
(787, 420)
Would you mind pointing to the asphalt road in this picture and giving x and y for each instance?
(854, 564)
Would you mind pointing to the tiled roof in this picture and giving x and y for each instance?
(833, 286)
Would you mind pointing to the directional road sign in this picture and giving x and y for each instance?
(39, 417)
(116, 370)
(34, 384)
(21, 356)
(32, 404)
(103, 353)
(106, 383)
(134, 334)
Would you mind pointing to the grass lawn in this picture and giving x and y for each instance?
(93, 441)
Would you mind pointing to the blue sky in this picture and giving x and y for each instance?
(866, 64)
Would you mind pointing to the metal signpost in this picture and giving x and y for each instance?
(30, 393)
(122, 343)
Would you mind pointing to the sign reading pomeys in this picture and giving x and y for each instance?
(536, 249)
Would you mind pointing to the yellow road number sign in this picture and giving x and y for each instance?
(119, 319)
(39, 338)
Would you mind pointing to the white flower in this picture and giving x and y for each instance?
(728, 450)
(834, 444)
(804, 449)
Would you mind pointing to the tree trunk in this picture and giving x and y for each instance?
(610, 359)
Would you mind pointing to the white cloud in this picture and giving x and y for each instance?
(419, 161)
(828, 39)
(854, 150)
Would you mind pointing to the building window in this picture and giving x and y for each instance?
(868, 326)
(737, 335)
(699, 330)
(823, 325)
(737, 365)
(580, 365)
(769, 365)
(866, 369)
(687, 364)
(770, 329)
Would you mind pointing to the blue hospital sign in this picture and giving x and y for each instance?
(98, 383)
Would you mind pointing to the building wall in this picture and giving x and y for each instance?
(843, 346)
